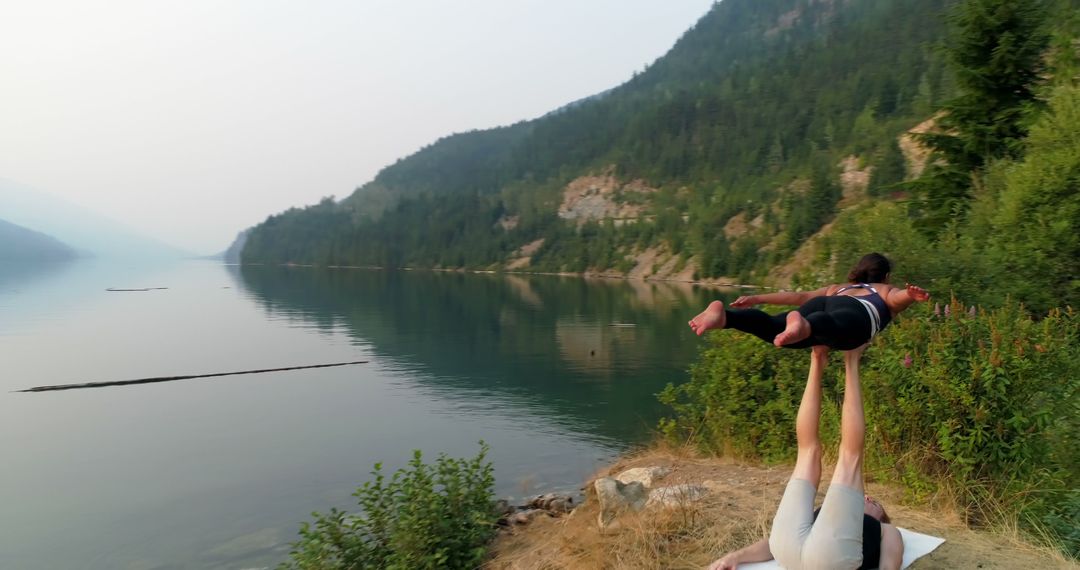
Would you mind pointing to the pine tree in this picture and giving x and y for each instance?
(995, 53)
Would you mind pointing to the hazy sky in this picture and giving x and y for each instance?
(191, 120)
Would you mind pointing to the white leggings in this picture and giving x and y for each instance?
(834, 542)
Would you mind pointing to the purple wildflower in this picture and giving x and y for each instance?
(947, 311)
(937, 309)
(907, 360)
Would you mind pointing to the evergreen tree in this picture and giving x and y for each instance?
(995, 53)
(889, 170)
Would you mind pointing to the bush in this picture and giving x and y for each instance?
(424, 517)
(982, 403)
(742, 399)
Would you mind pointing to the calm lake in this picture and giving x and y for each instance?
(557, 374)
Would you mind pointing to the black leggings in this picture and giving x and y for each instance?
(839, 322)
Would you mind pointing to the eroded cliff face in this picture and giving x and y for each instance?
(603, 196)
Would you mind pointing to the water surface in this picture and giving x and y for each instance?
(556, 374)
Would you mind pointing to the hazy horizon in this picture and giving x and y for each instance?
(190, 121)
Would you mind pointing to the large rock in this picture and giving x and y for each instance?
(676, 495)
(617, 497)
(552, 502)
(645, 475)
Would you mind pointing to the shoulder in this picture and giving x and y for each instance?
(890, 536)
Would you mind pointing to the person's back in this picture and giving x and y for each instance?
(841, 316)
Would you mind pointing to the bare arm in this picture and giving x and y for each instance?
(900, 299)
(779, 298)
(892, 548)
(757, 552)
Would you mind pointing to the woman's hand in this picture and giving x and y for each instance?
(917, 293)
(745, 301)
(728, 562)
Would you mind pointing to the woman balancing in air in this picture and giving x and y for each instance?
(841, 316)
(851, 529)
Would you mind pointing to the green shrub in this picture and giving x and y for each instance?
(423, 517)
(742, 399)
(985, 404)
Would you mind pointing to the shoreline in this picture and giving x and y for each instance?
(584, 275)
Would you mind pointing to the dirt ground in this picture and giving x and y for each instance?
(737, 512)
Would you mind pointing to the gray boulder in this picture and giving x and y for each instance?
(616, 497)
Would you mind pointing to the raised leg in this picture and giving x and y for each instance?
(808, 462)
(795, 515)
(836, 539)
(852, 426)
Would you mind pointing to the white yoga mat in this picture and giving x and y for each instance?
(916, 546)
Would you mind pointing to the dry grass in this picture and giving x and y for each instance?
(737, 512)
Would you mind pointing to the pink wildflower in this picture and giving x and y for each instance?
(907, 360)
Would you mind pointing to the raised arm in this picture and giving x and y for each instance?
(779, 298)
(757, 552)
(900, 299)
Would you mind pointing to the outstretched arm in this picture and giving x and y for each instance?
(900, 299)
(779, 298)
(757, 552)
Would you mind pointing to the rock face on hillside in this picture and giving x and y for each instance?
(22, 244)
(916, 154)
(602, 197)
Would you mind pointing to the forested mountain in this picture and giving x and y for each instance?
(765, 120)
(20, 244)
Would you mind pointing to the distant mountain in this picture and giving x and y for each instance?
(20, 244)
(91, 233)
(232, 255)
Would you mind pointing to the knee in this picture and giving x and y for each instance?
(784, 549)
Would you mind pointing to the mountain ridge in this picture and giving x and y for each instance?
(752, 97)
(90, 233)
(23, 244)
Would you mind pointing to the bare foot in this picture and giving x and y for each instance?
(797, 329)
(713, 317)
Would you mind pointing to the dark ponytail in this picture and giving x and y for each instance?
(872, 268)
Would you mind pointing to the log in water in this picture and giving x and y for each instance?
(174, 378)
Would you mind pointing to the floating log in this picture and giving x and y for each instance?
(118, 290)
(174, 378)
